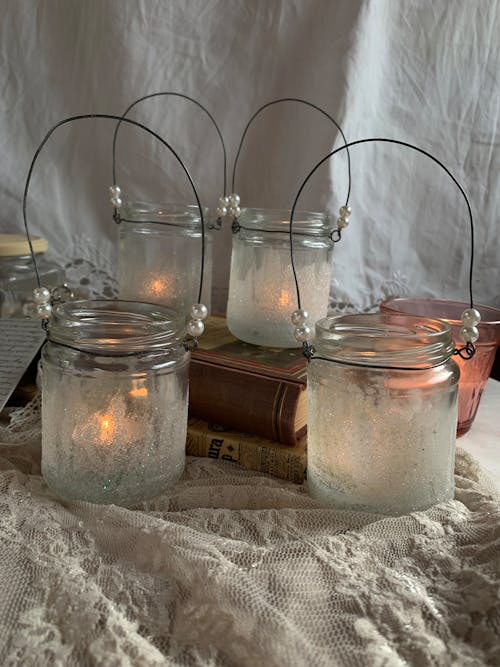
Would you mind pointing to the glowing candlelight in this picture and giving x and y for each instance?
(160, 255)
(284, 299)
(158, 287)
(114, 425)
(381, 437)
(108, 427)
(262, 293)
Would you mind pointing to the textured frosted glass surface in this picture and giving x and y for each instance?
(262, 292)
(379, 441)
(115, 438)
(159, 266)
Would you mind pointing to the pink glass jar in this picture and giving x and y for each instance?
(474, 372)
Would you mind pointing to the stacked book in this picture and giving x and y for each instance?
(248, 404)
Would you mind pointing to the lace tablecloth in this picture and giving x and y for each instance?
(237, 568)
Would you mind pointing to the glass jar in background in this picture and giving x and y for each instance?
(381, 437)
(17, 274)
(114, 401)
(160, 255)
(474, 372)
(262, 293)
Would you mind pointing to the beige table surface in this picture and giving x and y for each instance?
(483, 439)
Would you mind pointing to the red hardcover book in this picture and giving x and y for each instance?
(249, 388)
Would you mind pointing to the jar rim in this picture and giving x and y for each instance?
(114, 327)
(278, 220)
(182, 215)
(384, 340)
(444, 309)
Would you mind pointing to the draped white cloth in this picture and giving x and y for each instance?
(421, 71)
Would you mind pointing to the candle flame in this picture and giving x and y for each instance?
(158, 286)
(284, 299)
(108, 428)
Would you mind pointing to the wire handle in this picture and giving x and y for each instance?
(470, 317)
(312, 106)
(171, 94)
(43, 295)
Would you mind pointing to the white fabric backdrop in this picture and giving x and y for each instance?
(421, 71)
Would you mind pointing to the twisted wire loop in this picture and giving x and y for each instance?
(182, 96)
(135, 124)
(465, 352)
(190, 344)
(312, 106)
(235, 226)
(307, 350)
(336, 235)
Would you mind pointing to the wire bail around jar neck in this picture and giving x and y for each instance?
(45, 298)
(230, 205)
(116, 216)
(470, 316)
(310, 224)
(384, 341)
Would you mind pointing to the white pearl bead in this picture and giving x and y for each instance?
(234, 199)
(44, 310)
(299, 317)
(116, 201)
(115, 190)
(199, 311)
(342, 223)
(471, 317)
(234, 211)
(224, 201)
(469, 334)
(195, 328)
(221, 211)
(302, 333)
(345, 211)
(41, 295)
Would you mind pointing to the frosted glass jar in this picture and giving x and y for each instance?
(17, 274)
(160, 255)
(114, 401)
(382, 439)
(262, 292)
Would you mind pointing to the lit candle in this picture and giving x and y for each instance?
(262, 293)
(160, 255)
(112, 427)
(114, 414)
(381, 437)
(158, 289)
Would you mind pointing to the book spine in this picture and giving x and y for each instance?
(244, 401)
(252, 454)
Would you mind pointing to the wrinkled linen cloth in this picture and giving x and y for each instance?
(237, 568)
(423, 71)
